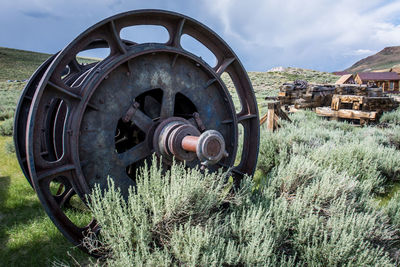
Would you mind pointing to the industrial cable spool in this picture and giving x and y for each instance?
(77, 124)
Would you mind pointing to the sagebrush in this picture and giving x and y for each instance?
(314, 201)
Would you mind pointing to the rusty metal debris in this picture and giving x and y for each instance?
(77, 124)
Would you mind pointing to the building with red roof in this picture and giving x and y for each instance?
(389, 81)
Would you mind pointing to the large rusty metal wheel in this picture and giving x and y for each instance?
(108, 118)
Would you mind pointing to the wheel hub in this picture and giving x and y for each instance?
(177, 137)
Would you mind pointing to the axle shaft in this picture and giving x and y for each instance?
(177, 137)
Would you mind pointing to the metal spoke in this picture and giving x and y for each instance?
(74, 66)
(167, 105)
(209, 83)
(64, 91)
(230, 168)
(241, 117)
(177, 33)
(65, 197)
(224, 65)
(55, 171)
(136, 153)
(138, 117)
(115, 37)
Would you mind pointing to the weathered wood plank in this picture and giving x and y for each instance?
(273, 116)
(270, 119)
(347, 113)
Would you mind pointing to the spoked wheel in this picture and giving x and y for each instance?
(141, 99)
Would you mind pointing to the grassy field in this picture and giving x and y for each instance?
(27, 235)
(19, 64)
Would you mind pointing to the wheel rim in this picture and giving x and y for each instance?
(25, 101)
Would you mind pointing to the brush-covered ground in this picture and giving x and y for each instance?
(324, 194)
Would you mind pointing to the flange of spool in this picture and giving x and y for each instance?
(112, 110)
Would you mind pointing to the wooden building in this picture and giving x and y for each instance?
(346, 79)
(389, 81)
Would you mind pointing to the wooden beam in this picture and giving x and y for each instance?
(270, 116)
(347, 113)
(263, 118)
(273, 115)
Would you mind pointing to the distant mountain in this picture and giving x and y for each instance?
(385, 59)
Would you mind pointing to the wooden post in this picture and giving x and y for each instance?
(271, 116)
(274, 114)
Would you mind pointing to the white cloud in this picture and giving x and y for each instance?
(360, 52)
(308, 33)
(320, 34)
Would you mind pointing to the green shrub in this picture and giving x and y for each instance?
(6, 127)
(364, 153)
(163, 208)
(392, 117)
(304, 215)
(6, 114)
(363, 160)
(329, 221)
(393, 137)
(9, 94)
(9, 146)
(312, 203)
(392, 209)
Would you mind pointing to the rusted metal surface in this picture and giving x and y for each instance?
(189, 143)
(210, 148)
(77, 124)
(25, 100)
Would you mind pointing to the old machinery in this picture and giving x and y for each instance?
(76, 124)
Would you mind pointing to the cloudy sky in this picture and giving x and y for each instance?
(326, 35)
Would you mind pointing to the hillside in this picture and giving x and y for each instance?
(19, 64)
(387, 58)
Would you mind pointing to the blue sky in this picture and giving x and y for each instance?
(324, 35)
